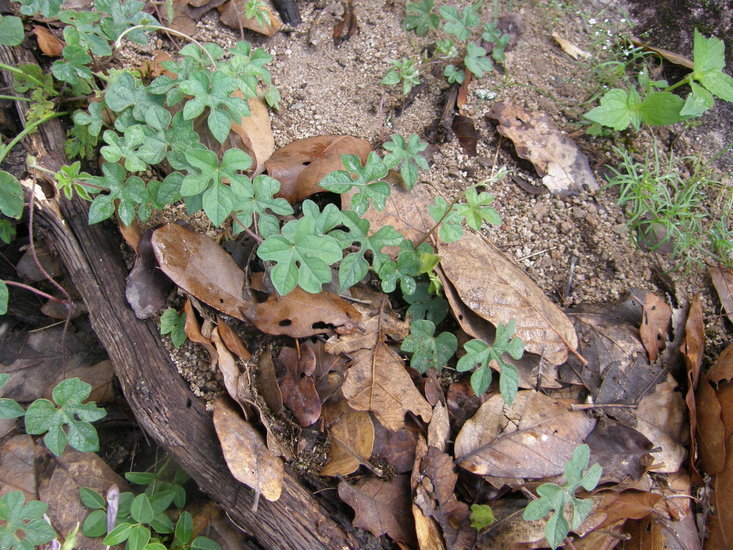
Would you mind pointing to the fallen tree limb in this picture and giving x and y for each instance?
(163, 404)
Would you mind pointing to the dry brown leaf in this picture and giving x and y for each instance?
(495, 288)
(231, 340)
(660, 417)
(655, 325)
(249, 460)
(670, 56)
(17, 455)
(439, 428)
(427, 531)
(352, 439)
(374, 325)
(348, 26)
(146, 288)
(200, 266)
(47, 42)
(723, 283)
(710, 429)
(100, 376)
(232, 14)
(266, 381)
(301, 314)
(722, 369)
(614, 507)
(193, 332)
(569, 48)
(621, 451)
(563, 167)
(381, 506)
(59, 481)
(255, 131)
(378, 381)
(301, 164)
(398, 448)
(720, 524)
(532, 438)
(465, 131)
(516, 533)
(692, 349)
(298, 385)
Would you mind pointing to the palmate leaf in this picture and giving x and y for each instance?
(22, 526)
(302, 257)
(459, 24)
(367, 179)
(406, 155)
(419, 17)
(428, 351)
(709, 62)
(256, 199)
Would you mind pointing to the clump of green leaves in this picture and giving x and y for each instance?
(427, 349)
(141, 521)
(66, 419)
(653, 102)
(665, 208)
(22, 526)
(480, 357)
(456, 48)
(174, 324)
(568, 511)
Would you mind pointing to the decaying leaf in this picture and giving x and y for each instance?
(17, 455)
(374, 325)
(301, 164)
(266, 381)
(232, 14)
(427, 531)
(348, 26)
(569, 48)
(298, 385)
(710, 429)
(301, 314)
(47, 41)
(352, 439)
(533, 438)
(692, 349)
(563, 167)
(655, 325)
(245, 453)
(381, 506)
(720, 524)
(439, 428)
(377, 381)
(99, 376)
(200, 266)
(622, 452)
(255, 131)
(231, 340)
(495, 288)
(465, 131)
(59, 481)
(723, 282)
(147, 286)
(398, 448)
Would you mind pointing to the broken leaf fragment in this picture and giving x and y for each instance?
(246, 454)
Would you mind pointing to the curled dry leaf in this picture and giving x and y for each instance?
(47, 42)
(255, 131)
(692, 349)
(465, 131)
(249, 460)
(563, 167)
(193, 332)
(232, 14)
(569, 48)
(381, 506)
(439, 428)
(670, 56)
(231, 340)
(147, 286)
(427, 531)
(495, 288)
(723, 282)
(720, 524)
(722, 369)
(301, 314)
(378, 381)
(301, 164)
(200, 266)
(348, 26)
(298, 385)
(532, 438)
(654, 328)
(352, 439)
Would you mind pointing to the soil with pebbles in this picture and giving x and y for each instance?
(576, 249)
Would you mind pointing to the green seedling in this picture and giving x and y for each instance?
(174, 324)
(428, 351)
(404, 71)
(481, 516)
(425, 304)
(480, 357)
(22, 526)
(568, 511)
(368, 179)
(406, 156)
(653, 103)
(68, 420)
(475, 211)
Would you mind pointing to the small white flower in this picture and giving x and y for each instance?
(592, 21)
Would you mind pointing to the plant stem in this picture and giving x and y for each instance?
(169, 30)
(36, 291)
(443, 217)
(15, 98)
(27, 130)
(25, 75)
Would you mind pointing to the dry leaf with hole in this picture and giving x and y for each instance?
(302, 164)
(47, 42)
(569, 48)
(654, 330)
(233, 15)
(301, 314)
(532, 438)
(352, 439)
(59, 481)
(298, 385)
(723, 283)
(377, 381)
(498, 290)
(563, 167)
(374, 325)
(200, 266)
(246, 455)
(381, 507)
(255, 131)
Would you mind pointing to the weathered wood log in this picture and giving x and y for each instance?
(161, 400)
